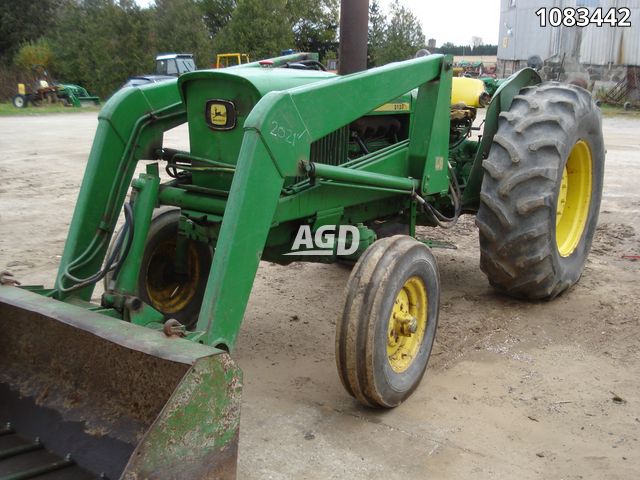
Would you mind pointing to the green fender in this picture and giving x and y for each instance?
(501, 102)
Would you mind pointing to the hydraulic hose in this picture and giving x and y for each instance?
(115, 260)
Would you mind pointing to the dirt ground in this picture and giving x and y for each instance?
(513, 390)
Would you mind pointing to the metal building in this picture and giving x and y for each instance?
(601, 57)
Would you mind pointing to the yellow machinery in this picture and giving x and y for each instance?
(224, 60)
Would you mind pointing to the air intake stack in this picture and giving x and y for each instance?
(354, 28)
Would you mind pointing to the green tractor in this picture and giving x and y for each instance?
(44, 91)
(286, 163)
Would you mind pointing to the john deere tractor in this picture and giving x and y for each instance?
(143, 383)
(44, 91)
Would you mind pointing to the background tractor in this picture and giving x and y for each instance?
(224, 60)
(168, 67)
(45, 91)
(151, 390)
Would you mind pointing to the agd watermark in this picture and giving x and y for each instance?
(329, 240)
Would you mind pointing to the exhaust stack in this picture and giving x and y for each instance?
(354, 29)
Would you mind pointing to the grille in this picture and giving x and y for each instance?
(332, 149)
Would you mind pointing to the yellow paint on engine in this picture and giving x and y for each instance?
(21, 89)
(467, 90)
(464, 90)
(393, 107)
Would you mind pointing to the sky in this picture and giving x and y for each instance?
(453, 21)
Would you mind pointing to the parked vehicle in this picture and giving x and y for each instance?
(47, 91)
(224, 60)
(168, 66)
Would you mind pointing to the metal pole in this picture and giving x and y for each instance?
(354, 29)
(361, 177)
(146, 187)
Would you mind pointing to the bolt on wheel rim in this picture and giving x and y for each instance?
(407, 324)
(574, 199)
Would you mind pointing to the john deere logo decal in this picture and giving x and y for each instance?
(221, 114)
(218, 115)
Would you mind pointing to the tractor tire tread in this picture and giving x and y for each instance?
(519, 189)
(356, 334)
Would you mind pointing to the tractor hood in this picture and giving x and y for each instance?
(263, 80)
(218, 103)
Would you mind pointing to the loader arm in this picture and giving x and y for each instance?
(276, 145)
(130, 127)
(123, 399)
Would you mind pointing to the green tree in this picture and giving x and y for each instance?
(99, 43)
(403, 37)
(257, 27)
(451, 49)
(485, 50)
(377, 32)
(180, 27)
(314, 24)
(22, 22)
(33, 53)
(217, 14)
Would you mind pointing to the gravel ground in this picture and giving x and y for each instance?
(513, 390)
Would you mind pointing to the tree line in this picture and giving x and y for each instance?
(100, 43)
(451, 49)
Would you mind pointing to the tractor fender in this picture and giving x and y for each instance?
(500, 102)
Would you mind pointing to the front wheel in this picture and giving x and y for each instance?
(387, 329)
(20, 101)
(176, 295)
(541, 191)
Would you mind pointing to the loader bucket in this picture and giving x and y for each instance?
(106, 397)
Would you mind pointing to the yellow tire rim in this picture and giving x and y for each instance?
(167, 291)
(574, 199)
(407, 324)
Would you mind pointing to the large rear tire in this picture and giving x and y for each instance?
(385, 335)
(541, 191)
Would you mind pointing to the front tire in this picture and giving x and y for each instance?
(20, 101)
(176, 296)
(541, 191)
(385, 335)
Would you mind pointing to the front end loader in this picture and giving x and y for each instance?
(143, 382)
